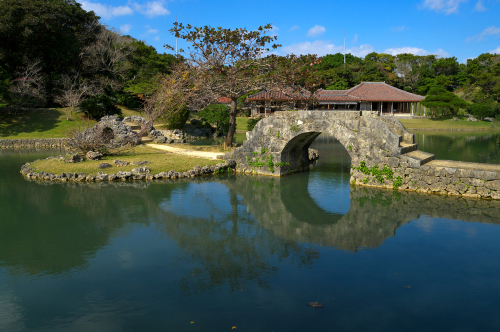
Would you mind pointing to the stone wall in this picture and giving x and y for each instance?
(32, 143)
(442, 177)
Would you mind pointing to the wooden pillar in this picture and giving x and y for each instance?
(412, 108)
(425, 109)
(392, 108)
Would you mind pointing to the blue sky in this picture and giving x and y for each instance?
(460, 28)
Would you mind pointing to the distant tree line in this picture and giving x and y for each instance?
(476, 82)
(54, 53)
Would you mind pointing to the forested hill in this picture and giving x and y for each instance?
(478, 79)
(49, 47)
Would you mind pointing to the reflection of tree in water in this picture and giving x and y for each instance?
(68, 223)
(58, 226)
(229, 247)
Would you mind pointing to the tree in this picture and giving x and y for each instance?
(218, 115)
(73, 91)
(108, 57)
(53, 31)
(4, 86)
(337, 60)
(28, 88)
(147, 67)
(441, 99)
(488, 108)
(230, 63)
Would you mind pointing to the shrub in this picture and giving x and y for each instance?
(243, 114)
(252, 122)
(100, 105)
(177, 120)
(485, 109)
(217, 115)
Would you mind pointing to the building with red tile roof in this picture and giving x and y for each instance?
(366, 96)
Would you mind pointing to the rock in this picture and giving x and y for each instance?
(196, 122)
(76, 158)
(141, 170)
(493, 185)
(120, 163)
(101, 177)
(139, 177)
(471, 118)
(484, 192)
(123, 175)
(313, 154)
(92, 155)
(160, 140)
(170, 141)
(140, 163)
(231, 163)
(104, 165)
(316, 304)
(454, 119)
(489, 119)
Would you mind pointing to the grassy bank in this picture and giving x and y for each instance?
(445, 123)
(160, 161)
(45, 123)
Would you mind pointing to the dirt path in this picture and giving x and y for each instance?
(187, 152)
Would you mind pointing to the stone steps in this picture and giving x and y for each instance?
(407, 147)
(418, 158)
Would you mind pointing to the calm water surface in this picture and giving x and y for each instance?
(479, 147)
(213, 253)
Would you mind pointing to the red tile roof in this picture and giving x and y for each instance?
(363, 92)
(380, 91)
(223, 100)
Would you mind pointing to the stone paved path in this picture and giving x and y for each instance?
(187, 152)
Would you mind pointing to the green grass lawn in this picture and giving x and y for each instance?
(446, 123)
(46, 123)
(161, 161)
(241, 123)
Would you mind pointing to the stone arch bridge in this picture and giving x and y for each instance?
(383, 153)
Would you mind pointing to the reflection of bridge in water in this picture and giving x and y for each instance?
(374, 214)
(105, 208)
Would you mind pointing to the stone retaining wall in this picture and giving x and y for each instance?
(32, 143)
(141, 173)
(456, 178)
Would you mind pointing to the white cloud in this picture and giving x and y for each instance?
(157, 38)
(126, 28)
(152, 8)
(152, 31)
(486, 32)
(106, 11)
(399, 28)
(321, 47)
(497, 50)
(479, 6)
(316, 30)
(355, 38)
(445, 6)
(416, 51)
(295, 27)
(274, 31)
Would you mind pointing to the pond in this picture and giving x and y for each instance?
(240, 252)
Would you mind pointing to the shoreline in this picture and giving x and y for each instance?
(452, 129)
(139, 173)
